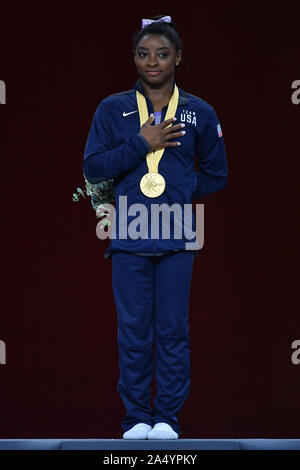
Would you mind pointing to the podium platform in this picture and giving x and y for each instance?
(145, 444)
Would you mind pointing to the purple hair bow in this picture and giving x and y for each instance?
(164, 19)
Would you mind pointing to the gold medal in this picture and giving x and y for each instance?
(153, 184)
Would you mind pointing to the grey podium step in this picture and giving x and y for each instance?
(145, 444)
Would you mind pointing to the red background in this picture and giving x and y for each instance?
(58, 318)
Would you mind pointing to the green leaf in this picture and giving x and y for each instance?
(105, 222)
(80, 192)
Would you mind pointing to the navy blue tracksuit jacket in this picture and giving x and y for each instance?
(115, 150)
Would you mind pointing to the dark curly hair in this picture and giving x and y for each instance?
(165, 29)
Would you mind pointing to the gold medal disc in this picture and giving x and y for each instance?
(152, 184)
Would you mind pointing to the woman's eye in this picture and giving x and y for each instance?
(161, 54)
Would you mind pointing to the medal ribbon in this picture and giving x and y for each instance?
(153, 157)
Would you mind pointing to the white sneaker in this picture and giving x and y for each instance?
(139, 431)
(162, 431)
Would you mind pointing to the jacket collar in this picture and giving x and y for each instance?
(182, 100)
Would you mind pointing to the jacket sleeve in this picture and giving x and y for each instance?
(212, 161)
(102, 160)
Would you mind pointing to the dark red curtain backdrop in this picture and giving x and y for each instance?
(58, 318)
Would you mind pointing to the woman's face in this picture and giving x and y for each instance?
(155, 59)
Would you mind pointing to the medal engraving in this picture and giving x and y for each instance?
(152, 184)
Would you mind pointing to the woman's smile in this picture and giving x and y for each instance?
(152, 73)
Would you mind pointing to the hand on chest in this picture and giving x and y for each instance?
(130, 125)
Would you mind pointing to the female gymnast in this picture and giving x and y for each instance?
(145, 140)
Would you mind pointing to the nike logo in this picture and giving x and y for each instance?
(127, 114)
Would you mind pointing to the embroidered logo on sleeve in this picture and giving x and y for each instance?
(219, 130)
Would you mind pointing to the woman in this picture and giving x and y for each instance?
(151, 163)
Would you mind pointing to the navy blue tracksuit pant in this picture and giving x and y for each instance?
(152, 301)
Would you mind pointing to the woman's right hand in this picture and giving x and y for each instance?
(158, 136)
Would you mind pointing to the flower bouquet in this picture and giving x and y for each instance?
(101, 193)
